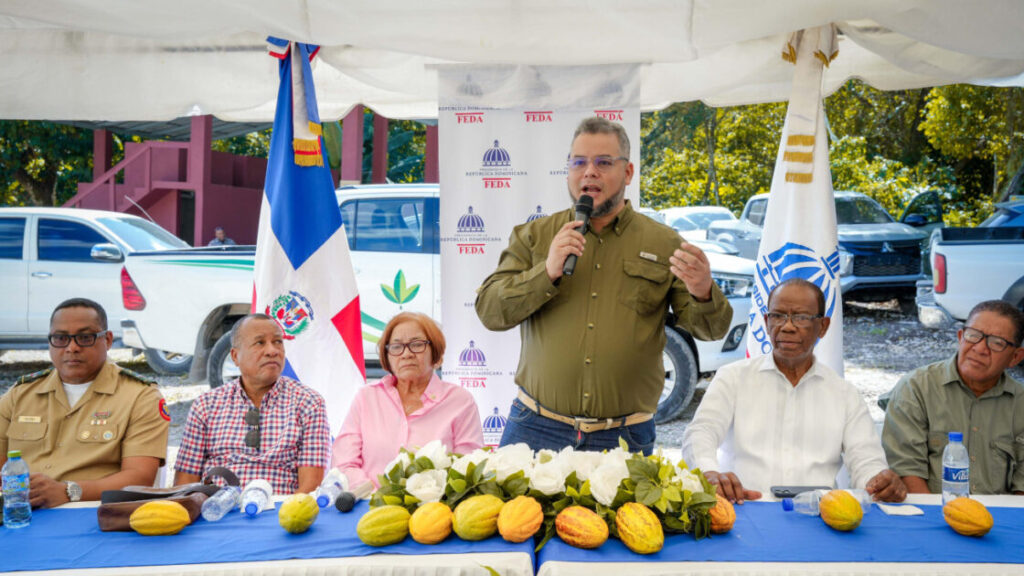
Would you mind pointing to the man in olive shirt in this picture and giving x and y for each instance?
(87, 425)
(969, 393)
(591, 367)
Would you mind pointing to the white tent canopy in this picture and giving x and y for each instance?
(129, 60)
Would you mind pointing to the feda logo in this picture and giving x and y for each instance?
(470, 223)
(496, 157)
(538, 116)
(473, 382)
(538, 214)
(469, 117)
(472, 357)
(292, 312)
(613, 115)
(503, 183)
(494, 427)
(471, 248)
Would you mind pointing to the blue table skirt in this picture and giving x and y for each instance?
(71, 538)
(765, 533)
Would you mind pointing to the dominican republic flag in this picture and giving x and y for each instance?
(799, 237)
(303, 271)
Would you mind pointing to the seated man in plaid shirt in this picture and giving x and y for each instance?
(261, 425)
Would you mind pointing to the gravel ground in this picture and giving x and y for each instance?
(880, 344)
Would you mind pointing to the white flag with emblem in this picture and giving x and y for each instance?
(799, 238)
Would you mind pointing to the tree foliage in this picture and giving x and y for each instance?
(41, 163)
(963, 141)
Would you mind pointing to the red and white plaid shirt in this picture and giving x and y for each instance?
(293, 433)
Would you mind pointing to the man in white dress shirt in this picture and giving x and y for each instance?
(785, 419)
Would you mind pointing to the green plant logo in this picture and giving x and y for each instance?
(400, 293)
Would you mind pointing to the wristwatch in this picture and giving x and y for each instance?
(73, 490)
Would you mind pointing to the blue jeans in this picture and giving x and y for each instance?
(538, 432)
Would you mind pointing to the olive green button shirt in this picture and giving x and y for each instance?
(592, 345)
(932, 401)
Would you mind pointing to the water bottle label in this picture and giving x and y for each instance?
(956, 474)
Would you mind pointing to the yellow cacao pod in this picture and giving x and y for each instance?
(723, 515)
(297, 513)
(431, 523)
(840, 510)
(383, 526)
(639, 528)
(581, 527)
(520, 518)
(159, 518)
(476, 517)
(968, 517)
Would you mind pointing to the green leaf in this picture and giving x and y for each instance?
(408, 296)
(393, 500)
(642, 469)
(623, 444)
(490, 487)
(389, 293)
(647, 493)
(458, 485)
(490, 571)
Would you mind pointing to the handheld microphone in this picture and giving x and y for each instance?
(584, 206)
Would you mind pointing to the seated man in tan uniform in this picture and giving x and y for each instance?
(89, 426)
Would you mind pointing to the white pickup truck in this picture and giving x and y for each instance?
(970, 265)
(48, 255)
(393, 231)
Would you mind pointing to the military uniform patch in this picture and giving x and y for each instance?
(34, 376)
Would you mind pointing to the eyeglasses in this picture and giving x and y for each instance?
(602, 163)
(252, 437)
(416, 346)
(995, 343)
(83, 340)
(798, 320)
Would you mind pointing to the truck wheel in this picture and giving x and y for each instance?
(680, 377)
(168, 363)
(220, 368)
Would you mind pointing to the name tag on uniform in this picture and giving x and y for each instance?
(649, 256)
(30, 419)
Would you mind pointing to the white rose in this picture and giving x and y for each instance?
(436, 452)
(544, 455)
(548, 478)
(583, 462)
(605, 480)
(402, 458)
(462, 463)
(510, 459)
(689, 481)
(427, 486)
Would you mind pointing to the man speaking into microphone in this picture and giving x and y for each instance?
(590, 370)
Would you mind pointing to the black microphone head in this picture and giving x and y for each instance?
(585, 204)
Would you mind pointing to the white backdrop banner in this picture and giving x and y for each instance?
(504, 135)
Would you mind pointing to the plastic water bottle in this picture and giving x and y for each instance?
(217, 506)
(807, 502)
(956, 469)
(256, 497)
(333, 485)
(17, 510)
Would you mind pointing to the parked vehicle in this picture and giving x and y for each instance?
(692, 221)
(48, 255)
(651, 213)
(394, 238)
(970, 265)
(878, 257)
(1009, 213)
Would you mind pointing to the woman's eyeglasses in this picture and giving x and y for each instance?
(416, 346)
(252, 437)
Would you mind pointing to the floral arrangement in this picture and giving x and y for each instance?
(599, 481)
